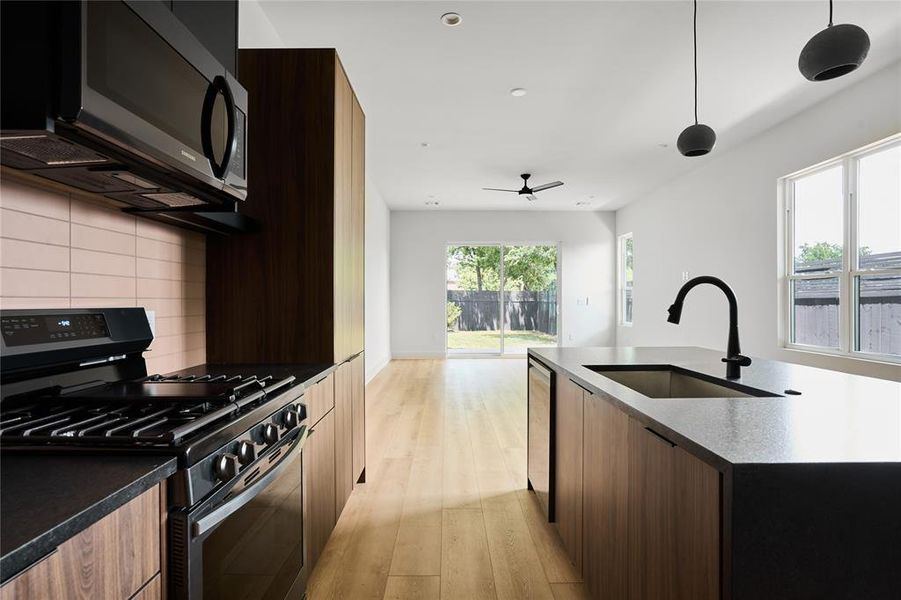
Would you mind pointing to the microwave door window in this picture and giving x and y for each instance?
(126, 63)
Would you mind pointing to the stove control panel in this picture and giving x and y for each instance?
(23, 330)
(242, 456)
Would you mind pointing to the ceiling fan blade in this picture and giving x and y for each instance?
(547, 186)
(500, 190)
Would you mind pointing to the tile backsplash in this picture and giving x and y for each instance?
(57, 250)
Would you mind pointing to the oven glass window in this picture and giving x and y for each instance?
(124, 54)
(258, 551)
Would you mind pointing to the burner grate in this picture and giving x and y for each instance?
(165, 420)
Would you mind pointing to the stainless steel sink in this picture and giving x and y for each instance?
(667, 381)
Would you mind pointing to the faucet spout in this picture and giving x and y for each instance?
(734, 359)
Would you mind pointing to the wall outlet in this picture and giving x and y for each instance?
(582, 301)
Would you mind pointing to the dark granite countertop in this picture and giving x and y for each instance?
(838, 418)
(48, 497)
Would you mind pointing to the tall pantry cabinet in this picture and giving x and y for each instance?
(292, 290)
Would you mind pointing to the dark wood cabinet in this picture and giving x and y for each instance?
(568, 471)
(319, 516)
(301, 294)
(674, 521)
(118, 557)
(344, 480)
(358, 402)
(215, 24)
(640, 517)
(605, 498)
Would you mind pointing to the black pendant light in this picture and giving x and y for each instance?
(833, 52)
(697, 139)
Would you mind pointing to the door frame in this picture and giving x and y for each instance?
(500, 353)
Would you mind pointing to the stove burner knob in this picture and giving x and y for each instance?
(290, 418)
(270, 433)
(246, 453)
(226, 467)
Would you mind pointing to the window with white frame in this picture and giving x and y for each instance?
(624, 278)
(843, 255)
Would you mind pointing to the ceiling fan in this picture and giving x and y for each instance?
(526, 191)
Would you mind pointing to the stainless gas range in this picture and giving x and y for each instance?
(75, 381)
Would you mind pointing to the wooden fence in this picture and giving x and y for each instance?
(523, 311)
(816, 306)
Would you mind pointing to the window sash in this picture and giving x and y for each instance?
(850, 272)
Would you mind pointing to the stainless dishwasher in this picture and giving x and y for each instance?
(541, 432)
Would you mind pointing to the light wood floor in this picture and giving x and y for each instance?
(445, 512)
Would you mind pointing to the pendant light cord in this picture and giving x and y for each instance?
(695, 38)
(830, 13)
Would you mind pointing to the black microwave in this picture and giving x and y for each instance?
(119, 98)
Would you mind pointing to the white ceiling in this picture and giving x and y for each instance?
(608, 84)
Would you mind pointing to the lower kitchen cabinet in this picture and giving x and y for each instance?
(674, 521)
(605, 498)
(358, 389)
(568, 472)
(118, 557)
(639, 516)
(319, 516)
(344, 480)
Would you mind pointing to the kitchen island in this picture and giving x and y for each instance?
(668, 481)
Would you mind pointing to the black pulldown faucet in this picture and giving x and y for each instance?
(734, 359)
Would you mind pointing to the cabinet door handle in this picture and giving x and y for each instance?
(660, 437)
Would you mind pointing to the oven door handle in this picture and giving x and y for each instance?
(214, 518)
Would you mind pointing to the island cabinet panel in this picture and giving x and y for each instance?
(674, 521)
(698, 522)
(358, 389)
(319, 515)
(568, 468)
(605, 498)
(344, 479)
(652, 562)
(113, 558)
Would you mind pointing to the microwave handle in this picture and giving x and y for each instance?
(212, 520)
(217, 86)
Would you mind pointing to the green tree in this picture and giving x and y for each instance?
(526, 268)
(453, 313)
(823, 251)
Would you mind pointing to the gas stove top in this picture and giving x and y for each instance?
(157, 411)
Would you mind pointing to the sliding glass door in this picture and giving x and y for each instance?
(473, 299)
(501, 299)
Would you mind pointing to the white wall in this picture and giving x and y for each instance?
(722, 219)
(418, 259)
(378, 312)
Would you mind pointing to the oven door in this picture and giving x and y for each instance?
(246, 541)
(148, 85)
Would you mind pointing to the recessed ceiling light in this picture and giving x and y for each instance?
(431, 203)
(424, 144)
(583, 203)
(663, 145)
(451, 19)
(518, 92)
